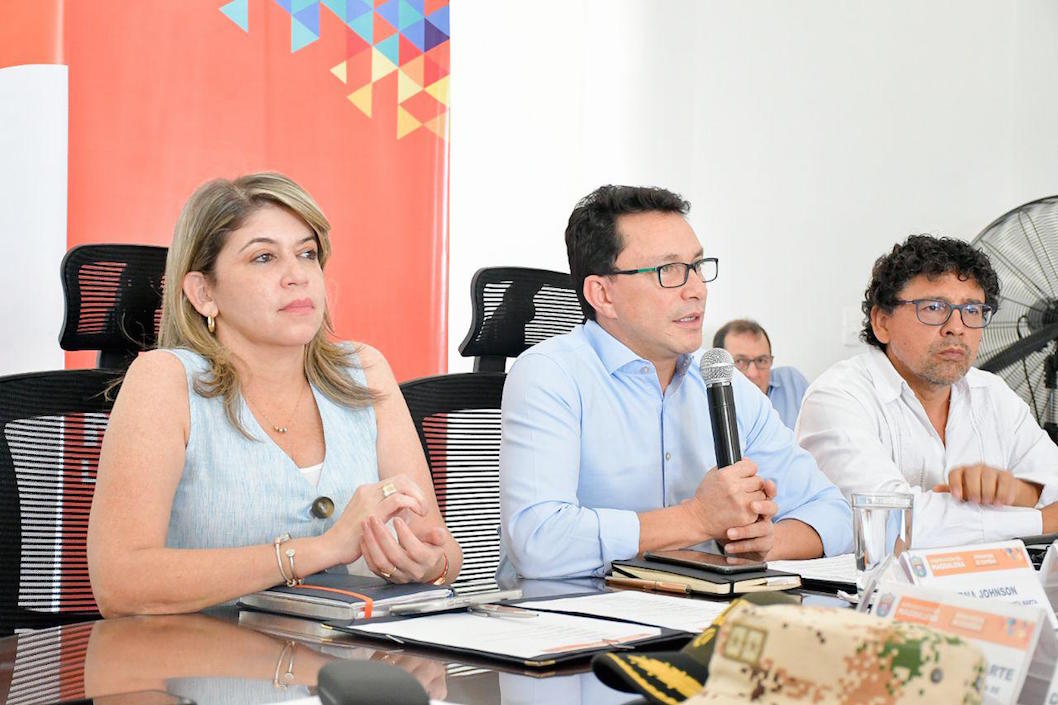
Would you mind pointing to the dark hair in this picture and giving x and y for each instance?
(932, 256)
(739, 326)
(592, 241)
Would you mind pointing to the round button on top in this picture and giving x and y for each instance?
(322, 507)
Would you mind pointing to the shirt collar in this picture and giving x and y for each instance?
(615, 354)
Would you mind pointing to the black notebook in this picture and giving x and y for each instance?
(341, 597)
(704, 581)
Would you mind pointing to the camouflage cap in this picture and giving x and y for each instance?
(670, 677)
(784, 655)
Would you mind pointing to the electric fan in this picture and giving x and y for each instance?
(1020, 343)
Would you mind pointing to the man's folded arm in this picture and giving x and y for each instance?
(840, 433)
(805, 494)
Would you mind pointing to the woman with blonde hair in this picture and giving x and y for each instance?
(250, 449)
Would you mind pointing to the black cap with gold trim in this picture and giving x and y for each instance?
(670, 677)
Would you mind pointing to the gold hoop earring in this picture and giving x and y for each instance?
(211, 324)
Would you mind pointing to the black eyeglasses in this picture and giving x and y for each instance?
(674, 274)
(936, 312)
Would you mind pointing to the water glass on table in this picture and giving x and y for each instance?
(881, 527)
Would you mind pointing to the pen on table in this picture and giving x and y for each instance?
(453, 603)
(652, 585)
(489, 610)
(876, 575)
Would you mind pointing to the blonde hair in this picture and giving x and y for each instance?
(213, 212)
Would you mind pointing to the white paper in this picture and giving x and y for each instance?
(838, 569)
(524, 638)
(682, 613)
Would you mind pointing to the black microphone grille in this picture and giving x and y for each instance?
(717, 366)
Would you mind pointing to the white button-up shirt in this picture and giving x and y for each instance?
(869, 433)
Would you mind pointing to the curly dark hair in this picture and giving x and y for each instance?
(929, 255)
(592, 241)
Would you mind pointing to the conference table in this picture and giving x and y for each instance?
(222, 657)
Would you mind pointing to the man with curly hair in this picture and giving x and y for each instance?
(911, 414)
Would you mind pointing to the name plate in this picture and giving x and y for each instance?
(1012, 637)
(991, 571)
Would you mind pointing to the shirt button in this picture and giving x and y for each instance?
(322, 507)
(645, 370)
(668, 456)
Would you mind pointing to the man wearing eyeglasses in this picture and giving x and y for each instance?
(607, 450)
(750, 346)
(911, 414)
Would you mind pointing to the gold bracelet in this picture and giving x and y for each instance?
(279, 540)
(287, 677)
(440, 579)
(293, 579)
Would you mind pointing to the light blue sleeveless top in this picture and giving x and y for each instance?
(240, 492)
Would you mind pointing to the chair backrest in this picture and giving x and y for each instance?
(51, 428)
(113, 300)
(458, 420)
(515, 308)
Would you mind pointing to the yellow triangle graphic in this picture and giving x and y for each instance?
(406, 122)
(406, 87)
(439, 90)
(437, 125)
(339, 71)
(361, 98)
(380, 65)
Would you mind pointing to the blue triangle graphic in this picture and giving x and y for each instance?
(390, 48)
(238, 11)
(310, 18)
(417, 5)
(414, 34)
(299, 5)
(285, 4)
(364, 25)
(433, 37)
(337, 7)
(300, 35)
(389, 11)
(439, 20)
(407, 15)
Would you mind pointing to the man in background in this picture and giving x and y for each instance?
(749, 344)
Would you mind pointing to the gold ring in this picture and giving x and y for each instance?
(388, 489)
(385, 575)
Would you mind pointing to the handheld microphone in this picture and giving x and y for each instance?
(718, 368)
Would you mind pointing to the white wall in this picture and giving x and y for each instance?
(808, 137)
(33, 110)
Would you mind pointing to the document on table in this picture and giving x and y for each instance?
(835, 569)
(547, 633)
(682, 613)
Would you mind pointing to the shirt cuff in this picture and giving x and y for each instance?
(1010, 522)
(833, 525)
(1048, 495)
(618, 535)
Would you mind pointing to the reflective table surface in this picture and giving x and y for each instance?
(225, 657)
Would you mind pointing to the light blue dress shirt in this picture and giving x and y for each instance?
(785, 391)
(589, 440)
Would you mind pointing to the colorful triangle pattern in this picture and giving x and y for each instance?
(405, 41)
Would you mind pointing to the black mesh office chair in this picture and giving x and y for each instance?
(51, 428)
(458, 420)
(515, 308)
(113, 300)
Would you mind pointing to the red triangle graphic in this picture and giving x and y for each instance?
(408, 51)
(382, 29)
(354, 43)
(439, 55)
(432, 6)
(432, 72)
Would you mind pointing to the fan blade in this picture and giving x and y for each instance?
(1024, 347)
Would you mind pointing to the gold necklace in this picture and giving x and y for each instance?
(283, 428)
